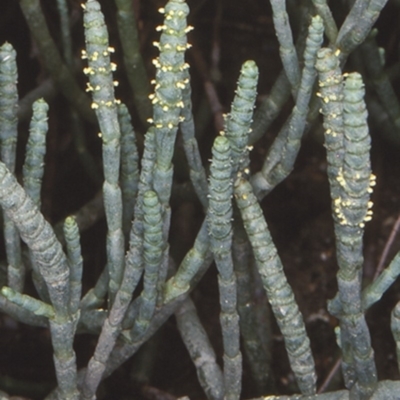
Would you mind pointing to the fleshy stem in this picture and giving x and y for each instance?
(58, 70)
(352, 209)
(286, 46)
(281, 157)
(52, 264)
(279, 292)
(133, 61)
(167, 97)
(219, 217)
(8, 145)
(101, 85)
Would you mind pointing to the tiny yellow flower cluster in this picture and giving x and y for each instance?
(95, 55)
(329, 131)
(330, 81)
(103, 103)
(90, 71)
(176, 66)
(172, 13)
(329, 98)
(100, 70)
(341, 204)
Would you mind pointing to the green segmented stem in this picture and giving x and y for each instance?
(133, 270)
(286, 47)
(191, 147)
(30, 304)
(104, 103)
(37, 233)
(146, 177)
(152, 256)
(219, 216)
(270, 108)
(62, 7)
(46, 90)
(196, 257)
(283, 152)
(134, 257)
(52, 265)
(21, 314)
(167, 102)
(91, 321)
(127, 348)
(373, 292)
(94, 298)
(357, 9)
(8, 144)
(324, 11)
(194, 265)
(162, 275)
(75, 262)
(167, 97)
(297, 121)
(255, 331)
(197, 261)
(201, 352)
(62, 334)
(110, 331)
(279, 292)
(357, 25)
(129, 167)
(76, 122)
(133, 61)
(97, 363)
(111, 328)
(238, 121)
(331, 94)
(8, 105)
(219, 213)
(52, 59)
(352, 209)
(99, 72)
(33, 169)
(355, 178)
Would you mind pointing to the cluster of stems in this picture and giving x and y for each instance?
(141, 285)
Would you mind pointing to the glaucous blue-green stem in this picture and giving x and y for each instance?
(37, 233)
(219, 216)
(286, 46)
(8, 146)
(133, 61)
(278, 290)
(129, 167)
(52, 59)
(283, 152)
(101, 85)
(200, 349)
